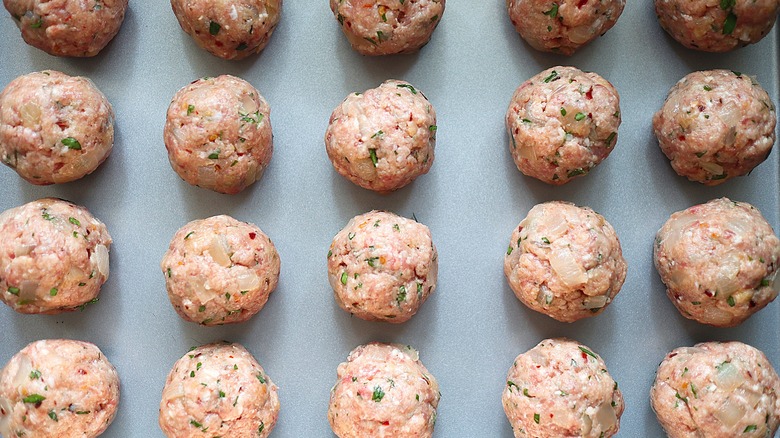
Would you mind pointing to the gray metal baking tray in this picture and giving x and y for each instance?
(471, 329)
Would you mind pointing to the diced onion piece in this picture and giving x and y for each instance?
(726, 279)
(596, 302)
(248, 105)
(411, 352)
(730, 413)
(728, 378)
(565, 265)
(23, 250)
(715, 316)
(248, 281)
(30, 114)
(101, 259)
(5, 420)
(580, 34)
(554, 225)
(544, 296)
(204, 295)
(218, 249)
(537, 357)
(677, 228)
(27, 290)
(751, 397)
(713, 168)
(207, 176)
(587, 424)
(365, 169)
(527, 152)
(606, 417)
(730, 114)
(22, 375)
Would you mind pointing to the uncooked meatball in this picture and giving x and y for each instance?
(229, 29)
(382, 267)
(383, 390)
(53, 257)
(220, 271)
(78, 28)
(54, 128)
(717, 26)
(384, 138)
(218, 134)
(58, 388)
(218, 390)
(719, 261)
(565, 261)
(385, 28)
(563, 26)
(562, 123)
(716, 125)
(717, 390)
(561, 388)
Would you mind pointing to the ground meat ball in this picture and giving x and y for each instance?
(563, 26)
(218, 390)
(375, 28)
(561, 388)
(54, 128)
(716, 125)
(562, 123)
(717, 25)
(58, 388)
(220, 271)
(53, 257)
(384, 138)
(218, 134)
(383, 391)
(229, 29)
(717, 390)
(68, 27)
(719, 261)
(565, 261)
(382, 267)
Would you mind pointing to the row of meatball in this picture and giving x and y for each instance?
(236, 30)
(558, 388)
(715, 125)
(719, 262)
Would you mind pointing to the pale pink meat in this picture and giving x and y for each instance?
(218, 390)
(58, 388)
(54, 128)
(384, 391)
(562, 123)
(382, 267)
(53, 257)
(719, 261)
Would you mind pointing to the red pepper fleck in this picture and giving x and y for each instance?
(252, 235)
(584, 356)
(681, 138)
(582, 3)
(589, 94)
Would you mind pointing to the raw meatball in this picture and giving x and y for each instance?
(229, 29)
(220, 271)
(68, 27)
(717, 26)
(563, 26)
(218, 390)
(565, 261)
(562, 123)
(716, 125)
(58, 388)
(374, 28)
(218, 134)
(561, 388)
(719, 261)
(717, 390)
(382, 267)
(53, 257)
(54, 128)
(384, 138)
(383, 391)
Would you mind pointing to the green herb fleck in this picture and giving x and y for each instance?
(378, 394)
(214, 155)
(260, 378)
(378, 133)
(53, 415)
(588, 352)
(188, 235)
(214, 27)
(729, 24)
(343, 278)
(372, 153)
(546, 240)
(412, 89)
(35, 374)
(53, 292)
(221, 394)
(74, 221)
(536, 418)
(764, 282)
(71, 143)
(525, 393)
(13, 290)
(190, 109)
(261, 428)
(553, 12)
(401, 295)
(509, 250)
(750, 428)
(554, 73)
(92, 301)
(579, 116)
(34, 399)
(707, 88)
(731, 301)
(576, 172)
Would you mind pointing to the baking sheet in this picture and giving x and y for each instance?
(471, 329)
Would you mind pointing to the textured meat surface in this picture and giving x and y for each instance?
(717, 390)
(382, 267)
(229, 29)
(220, 271)
(716, 125)
(565, 261)
(76, 28)
(218, 134)
(563, 26)
(376, 27)
(53, 256)
(561, 388)
(717, 25)
(383, 391)
(562, 123)
(719, 261)
(218, 390)
(384, 138)
(54, 128)
(58, 388)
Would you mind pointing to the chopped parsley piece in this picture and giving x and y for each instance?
(35, 374)
(553, 12)
(372, 153)
(525, 393)
(510, 384)
(343, 278)
(579, 116)
(563, 111)
(731, 301)
(554, 74)
(53, 415)
(401, 295)
(588, 352)
(750, 428)
(409, 87)
(241, 47)
(729, 24)
(378, 133)
(221, 394)
(433, 128)
(536, 418)
(214, 155)
(34, 399)
(727, 4)
(707, 88)
(74, 221)
(71, 143)
(509, 250)
(700, 154)
(188, 235)
(255, 117)
(378, 394)
(261, 428)
(546, 240)
(190, 109)
(214, 27)
(13, 290)
(372, 261)
(92, 301)
(765, 282)
(260, 378)
(576, 172)
(53, 292)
